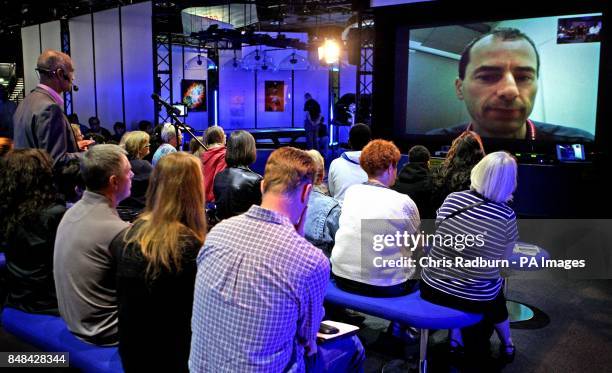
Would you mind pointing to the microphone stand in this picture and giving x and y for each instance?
(176, 122)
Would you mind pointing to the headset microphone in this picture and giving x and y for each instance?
(74, 86)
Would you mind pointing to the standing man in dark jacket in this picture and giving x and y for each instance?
(40, 121)
(312, 121)
(415, 180)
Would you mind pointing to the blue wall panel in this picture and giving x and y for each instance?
(137, 63)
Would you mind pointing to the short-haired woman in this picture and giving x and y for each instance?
(137, 145)
(156, 268)
(29, 216)
(170, 141)
(388, 212)
(237, 187)
(483, 207)
(213, 159)
(323, 213)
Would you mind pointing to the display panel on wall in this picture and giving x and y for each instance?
(275, 95)
(194, 94)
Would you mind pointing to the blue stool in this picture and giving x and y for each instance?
(410, 310)
(49, 333)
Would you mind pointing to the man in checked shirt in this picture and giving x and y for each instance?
(260, 285)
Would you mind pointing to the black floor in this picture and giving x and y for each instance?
(577, 337)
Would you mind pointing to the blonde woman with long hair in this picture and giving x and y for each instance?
(156, 268)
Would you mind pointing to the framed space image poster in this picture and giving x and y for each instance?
(275, 95)
(193, 93)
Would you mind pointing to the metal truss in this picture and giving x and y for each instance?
(365, 69)
(162, 73)
(65, 36)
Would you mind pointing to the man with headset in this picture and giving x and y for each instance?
(40, 121)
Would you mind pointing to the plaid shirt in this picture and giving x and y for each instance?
(259, 296)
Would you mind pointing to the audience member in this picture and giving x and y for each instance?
(119, 129)
(7, 110)
(213, 159)
(454, 174)
(29, 215)
(96, 129)
(74, 119)
(389, 211)
(136, 144)
(146, 126)
(260, 285)
(76, 129)
(170, 142)
(414, 180)
(70, 183)
(39, 120)
(156, 268)
(477, 289)
(237, 187)
(345, 170)
(86, 290)
(194, 146)
(323, 211)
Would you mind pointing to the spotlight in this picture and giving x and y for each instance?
(330, 52)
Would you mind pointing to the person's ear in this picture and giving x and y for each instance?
(306, 189)
(262, 186)
(459, 88)
(113, 181)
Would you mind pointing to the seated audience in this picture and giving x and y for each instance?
(70, 184)
(345, 170)
(195, 148)
(96, 129)
(145, 126)
(136, 144)
(213, 159)
(237, 188)
(478, 289)
(74, 119)
(86, 290)
(414, 180)
(454, 174)
(119, 129)
(170, 142)
(29, 215)
(156, 268)
(260, 285)
(76, 129)
(323, 211)
(353, 265)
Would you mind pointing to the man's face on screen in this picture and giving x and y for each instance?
(499, 87)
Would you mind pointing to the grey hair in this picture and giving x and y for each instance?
(168, 132)
(494, 176)
(99, 163)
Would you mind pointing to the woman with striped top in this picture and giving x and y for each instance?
(481, 212)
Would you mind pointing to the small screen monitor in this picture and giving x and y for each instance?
(182, 109)
(570, 152)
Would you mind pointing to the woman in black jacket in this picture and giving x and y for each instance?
(237, 187)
